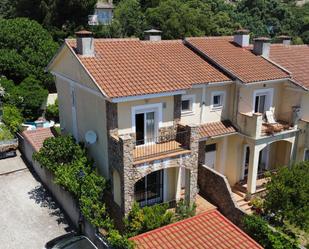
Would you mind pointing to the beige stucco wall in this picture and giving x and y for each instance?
(171, 182)
(65, 105)
(125, 112)
(90, 108)
(206, 114)
(67, 64)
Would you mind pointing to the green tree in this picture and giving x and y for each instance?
(12, 118)
(260, 231)
(287, 197)
(130, 17)
(28, 97)
(26, 49)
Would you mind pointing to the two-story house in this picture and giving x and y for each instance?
(159, 108)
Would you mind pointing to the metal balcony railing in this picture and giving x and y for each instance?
(164, 144)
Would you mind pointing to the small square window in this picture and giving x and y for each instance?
(186, 105)
(217, 100)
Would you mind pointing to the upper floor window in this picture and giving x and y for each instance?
(187, 102)
(262, 100)
(217, 100)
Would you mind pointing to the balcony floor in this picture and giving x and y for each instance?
(146, 153)
(270, 129)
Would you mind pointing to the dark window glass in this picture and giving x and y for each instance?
(210, 147)
(185, 105)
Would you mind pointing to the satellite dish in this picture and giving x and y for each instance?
(90, 137)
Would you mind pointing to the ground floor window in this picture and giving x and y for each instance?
(210, 155)
(149, 190)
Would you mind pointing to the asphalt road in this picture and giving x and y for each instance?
(28, 215)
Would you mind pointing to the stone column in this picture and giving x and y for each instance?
(127, 176)
(194, 147)
(253, 169)
(111, 118)
(201, 152)
(177, 109)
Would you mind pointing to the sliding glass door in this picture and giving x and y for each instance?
(145, 125)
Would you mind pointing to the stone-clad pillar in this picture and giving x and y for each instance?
(127, 181)
(111, 118)
(177, 109)
(194, 147)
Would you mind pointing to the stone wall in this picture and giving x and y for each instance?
(111, 118)
(177, 109)
(214, 187)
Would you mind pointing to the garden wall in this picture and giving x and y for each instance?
(64, 198)
(215, 188)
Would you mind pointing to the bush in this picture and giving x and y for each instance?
(5, 133)
(28, 97)
(140, 220)
(52, 112)
(12, 118)
(65, 159)
(184, 211)
(260, 231)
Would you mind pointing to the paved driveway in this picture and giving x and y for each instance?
(28, 215)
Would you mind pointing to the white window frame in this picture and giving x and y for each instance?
(191, 98)
(157, 108)
(269, 93)
(305, 151)
(217, 93)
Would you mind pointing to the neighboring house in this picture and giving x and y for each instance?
(160, 108)
(103, 13)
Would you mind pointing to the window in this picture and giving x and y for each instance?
(217, 100)
(210, 155)
(187, 103)
(262, 100)
(306, 155)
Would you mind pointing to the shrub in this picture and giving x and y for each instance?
(183, 210)
(115, 239)
(140, 220)
(5, 133)
(12, 118)
(269, 238)
(52, 112)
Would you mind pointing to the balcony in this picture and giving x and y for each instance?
(254, 125)
(171, 143)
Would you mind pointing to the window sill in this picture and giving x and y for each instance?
(218, 108)
(187, 113)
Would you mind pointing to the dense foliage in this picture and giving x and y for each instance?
(66, 160)
(140, 220)
(5, 133)
(12, 118)
(52, 112)
(26, 49)
(269, 238)
(288, 194)
(28, 96)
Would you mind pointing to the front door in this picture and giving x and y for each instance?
(145, 127)
(149, 190)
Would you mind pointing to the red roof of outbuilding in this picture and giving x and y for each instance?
(37, 137)
(129, 67)
(239, 62)
(295, 59)
(209, 230)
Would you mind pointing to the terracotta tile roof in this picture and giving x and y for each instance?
(209, 230)
(37, 137)
(216, 129)
(240, 62)
(295, 59)
(128, 67)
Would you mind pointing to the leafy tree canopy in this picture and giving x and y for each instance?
(26, 49)
(287, 196)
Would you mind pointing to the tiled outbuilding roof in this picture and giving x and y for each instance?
(239, 62)
(295, 59)
(37, 137)
(216, 129)
(129, 67)
(209, 230)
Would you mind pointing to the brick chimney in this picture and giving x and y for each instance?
(153, 35)
(85, 43)
(285, 39)
(242, 37)
(261, 46)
